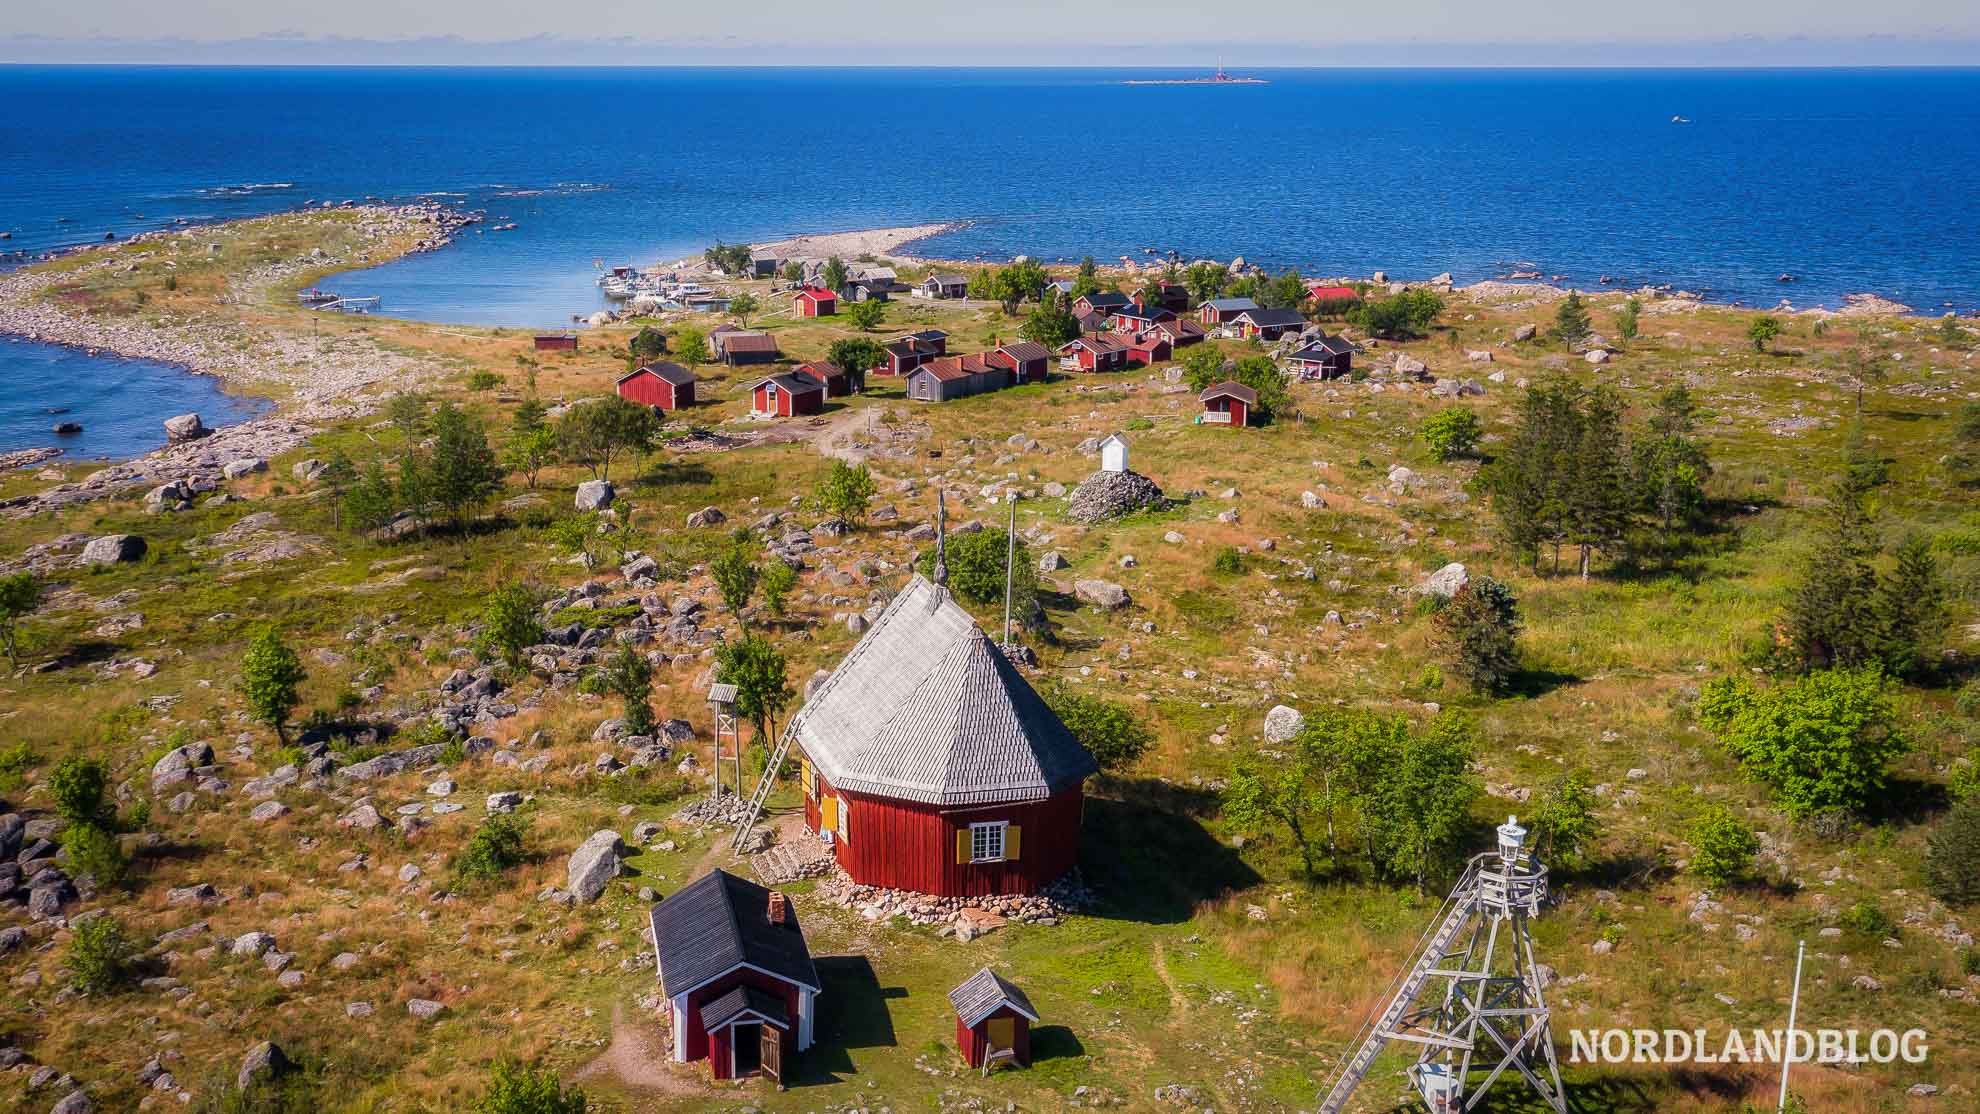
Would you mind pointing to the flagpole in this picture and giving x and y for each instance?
(1794, 1005)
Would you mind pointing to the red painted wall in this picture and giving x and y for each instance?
(651, 390)
(907, 845)
(701, 1046)
(975, 1043)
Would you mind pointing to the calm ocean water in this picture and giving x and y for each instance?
(1848, 180)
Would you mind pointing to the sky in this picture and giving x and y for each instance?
(997, 32)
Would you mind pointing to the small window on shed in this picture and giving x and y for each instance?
(986, 842)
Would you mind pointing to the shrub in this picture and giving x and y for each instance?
(1565, 819)
(629, 676)
(976, 568)
(1228, 561)
(1723, 847)
(1477, 631)
(93, 850)
(845, 489)
(1965, 780)
(735, 574)
(101, 957)
(508, 624)
(271, 676)
(20, 594)
(495, 847)
(1821, 743)
(1952, 858)
(515, 1089)
(1866, 919)
(1107, 730)
(1763, 331)
(483, 381)
(1452, 432)
(77, 787)
(776, 582)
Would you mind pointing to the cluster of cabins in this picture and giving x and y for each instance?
(927, 763)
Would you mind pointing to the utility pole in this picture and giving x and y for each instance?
(1010, 568)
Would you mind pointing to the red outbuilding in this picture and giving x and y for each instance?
(1095, 353)
(930, 764)
(814, 301)
(556, 342)
(737, 975)
(993, 1021)
(839, 382)
(1324, 294)
(1181, 332)
(786, 396)
(663, 386)
(1151, 347)
(1229, 403)
(1025, 360)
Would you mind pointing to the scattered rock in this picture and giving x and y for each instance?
(111, 549)
(263, 1062)
(594, 864)
(1283, 723)
(1103, 594)
(594, 495)
(1445, 582)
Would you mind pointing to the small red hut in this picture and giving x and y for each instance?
(814, 301)
(1229, 403)
(930, 764)
(786, 396)
(663, 386)
(737, 975)
(556, 342)
(993, 1021)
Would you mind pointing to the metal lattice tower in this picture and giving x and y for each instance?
(1490, 1015)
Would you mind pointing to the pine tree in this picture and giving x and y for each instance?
(1571, 320)
(1598, 492)
(1669, 465)
(1911, 610)
(1832, 617)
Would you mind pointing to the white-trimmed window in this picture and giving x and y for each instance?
(986, 842)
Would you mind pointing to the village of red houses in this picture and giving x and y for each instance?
(930, 768)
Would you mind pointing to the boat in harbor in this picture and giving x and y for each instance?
(1218, 78)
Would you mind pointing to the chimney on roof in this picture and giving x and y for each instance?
(780, 908)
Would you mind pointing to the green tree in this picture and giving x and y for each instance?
(101, 956)
(1419, 808)
(1821, 743)
(1285, 291)
(1565, 820)
(408, 414)
(833, 277)
(94, 850)
(76, 785)
(1087, 281)
(1527, 479)
(1452, 432)
(649, 344)
(1108, 731)
(1477, 633)
(629, 676)
(793, 271)
(1952, 857)
(496, 847)
(1763, 331)
(691, 347)
(776, 582)
(1951, 334)
(596, 432)
(1841, 614)
(1203, 367)
(866, 316)
(732, 259)
(976, 568)
(1669, 466)
(1403, 316)
(1911, 610)
(371, 501)
(742, 306)
(528, 452)
(1626, 319)
(516, 1089)
(1598, 496)
(271, 680)
(1571, 324)
(1722, 847)
(508, 624)
(843, 492)
(1866, 367)
(1206, 281)
(736, 576)
(1052, 323)
(336, 479)
(463, 472)
(856, 355)
(20, 595)
(756, 667)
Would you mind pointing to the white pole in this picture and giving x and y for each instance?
(1794, 1005)
(1010, 559)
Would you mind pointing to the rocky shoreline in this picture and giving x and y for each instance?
(318, 379)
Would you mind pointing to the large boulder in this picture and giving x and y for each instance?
(594, 495)
(706, 516)
(1446, 582)
(1103, 594)
(247, 466)
(1282, 724)
(262, 1063)
(113, 548)
(185, 427)
(594, 864)
(177, 765)
(1108, 495)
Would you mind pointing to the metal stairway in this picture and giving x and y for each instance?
(762, 792)
(1430, 952)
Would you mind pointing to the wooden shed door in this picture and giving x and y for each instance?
(1003, 1033)
(772, 1056)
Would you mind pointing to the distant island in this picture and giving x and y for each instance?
(1218, 78)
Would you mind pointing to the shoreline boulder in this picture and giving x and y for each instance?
(184, 428)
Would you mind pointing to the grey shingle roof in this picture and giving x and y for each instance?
(718, 921)
(726, 1008)
(1231, 388)
(986, 992)
(926, 709)
(1231, 305)
(1270, 317)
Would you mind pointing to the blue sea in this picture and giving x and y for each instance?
(1848, 180)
